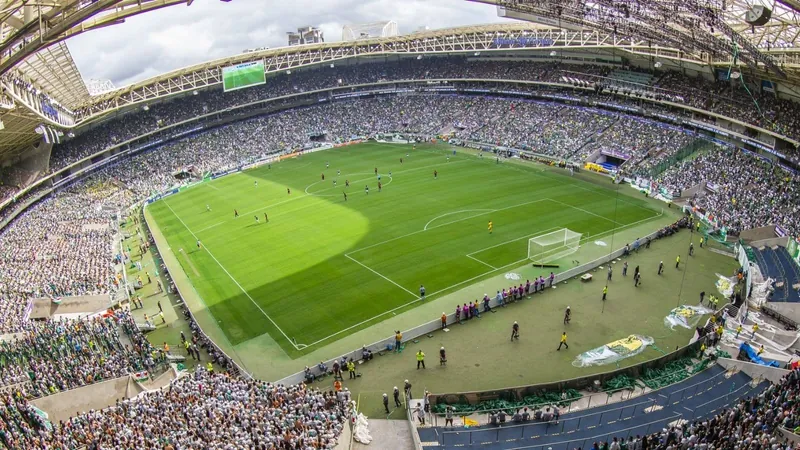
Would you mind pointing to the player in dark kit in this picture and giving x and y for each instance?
(323, 177)
(380, 186)
(435, 175)
(346, 183)
(345, 196)
(266, 219)
(235, 213)
(288, 191)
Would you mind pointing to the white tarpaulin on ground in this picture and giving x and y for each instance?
(613, 351)
(361, 430)
(725, 285)
(685, 316)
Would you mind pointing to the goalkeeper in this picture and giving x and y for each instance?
(491, 226)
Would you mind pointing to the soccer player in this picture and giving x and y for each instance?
(255, 183)
(235, 213)
(379, 177)
(327, 164)
(491, 227)
(448, 159)
(401, 160)
(266, 218)
(288, 191)
(334, 183)
(380, 186)
(345, 196)
(435, 175)
(563, 341)
(376, 171)
(338, 172)
(257, 221)
(422, 292)
(366, 189)
(323, 177)
(199, 245)
(390, 174)
(346, 183)
(208, 208)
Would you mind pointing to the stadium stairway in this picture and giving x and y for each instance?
(700, 396)
(778, 265)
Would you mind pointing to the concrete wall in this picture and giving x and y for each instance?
(770, 242)
(756, 234)
(44, 308)
(96, 396)
(698, 188)
(753, 370)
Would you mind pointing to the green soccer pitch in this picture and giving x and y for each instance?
(323, 267)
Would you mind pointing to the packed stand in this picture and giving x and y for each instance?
(743, 192)
(55, 356)
(200, 410)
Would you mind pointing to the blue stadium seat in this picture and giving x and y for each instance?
(699, 396)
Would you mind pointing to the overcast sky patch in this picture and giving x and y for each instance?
(178, 36)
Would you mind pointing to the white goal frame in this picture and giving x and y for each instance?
(554, 245)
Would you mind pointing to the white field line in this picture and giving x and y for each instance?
(455, 212)
(482, 262)
(441, 225)
(213, 187)
(514, 240)
(587, 212)
(613, 230)
(378, 274)
(298, 347)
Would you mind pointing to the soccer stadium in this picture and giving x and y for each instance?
(576, 226)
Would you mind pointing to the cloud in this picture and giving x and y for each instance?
(174, 37)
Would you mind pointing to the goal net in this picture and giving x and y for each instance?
(551, 246)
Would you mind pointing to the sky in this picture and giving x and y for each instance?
(157, 42)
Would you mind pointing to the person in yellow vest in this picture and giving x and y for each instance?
(760, 350)
(712, 319)
(755, 330)
(563, 341)
(491, 227)
(677, 261)
(738, 330)
(186, 346)
(166, 348)
(420, 359)
(210, 367)
(701, 241)
(702, 348)
(715, 303)
(605, 292)
(351, 369)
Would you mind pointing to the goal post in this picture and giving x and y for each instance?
(554, 245)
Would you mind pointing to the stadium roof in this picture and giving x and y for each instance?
(650, 29)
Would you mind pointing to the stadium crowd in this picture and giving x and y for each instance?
(743, 191)
(63, 245)
(720, 97)
(200, 410)
(55, 356)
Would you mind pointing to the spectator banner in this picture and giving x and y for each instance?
(725, 285)
(613, 352)
(768, 86)
(794, 250)
(685, 316)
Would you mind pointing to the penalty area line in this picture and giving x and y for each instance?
(296, 346)
(429, 296)
(376, 273)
